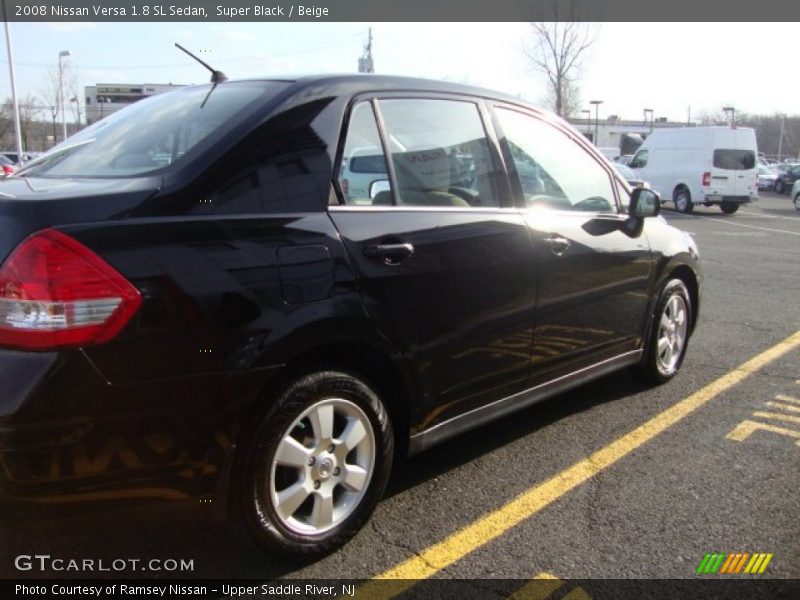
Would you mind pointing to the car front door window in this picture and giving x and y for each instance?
(569, 177)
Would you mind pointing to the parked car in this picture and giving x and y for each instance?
(766, 178)
(786, 177)
(796, 194)
(14, 156)
(701, 165)
(610, 152)
(360, 169)
(7, 166)
(229, 325)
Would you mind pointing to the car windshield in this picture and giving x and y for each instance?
(153, 133)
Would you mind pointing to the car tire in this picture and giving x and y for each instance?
(669, 334)
(729, 207)
(779, 187)
(683, 200)
(797, 201)
(316, 466)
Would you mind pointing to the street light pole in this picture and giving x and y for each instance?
(17, 125)
(649, 110)
(780, 140)
(597, 104)
(732, 110)
(61, 55)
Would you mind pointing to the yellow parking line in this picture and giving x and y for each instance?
(777, 417)
(747, 428)
(786, 407)
(787, 398)
(485, 529)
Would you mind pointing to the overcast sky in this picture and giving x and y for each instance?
(664, 66)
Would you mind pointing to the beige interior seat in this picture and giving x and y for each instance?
(423, 179)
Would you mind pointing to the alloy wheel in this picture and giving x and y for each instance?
(672, 330)
(322, 466)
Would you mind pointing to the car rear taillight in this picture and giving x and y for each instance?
(345, 186)
(8, 170)
(706, 179)
(55, 293)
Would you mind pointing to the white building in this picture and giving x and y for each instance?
(105, 98)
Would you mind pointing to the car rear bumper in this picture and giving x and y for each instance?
(72, 442)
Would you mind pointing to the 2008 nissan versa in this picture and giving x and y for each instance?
(193, 307)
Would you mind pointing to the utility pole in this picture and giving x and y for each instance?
(61, 55)
(17, 125)
(588, 114)
(365, 64)
(732, 111)
(780, 140)
(597, 104)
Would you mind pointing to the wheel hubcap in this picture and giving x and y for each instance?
(322, 466)
(672, 333)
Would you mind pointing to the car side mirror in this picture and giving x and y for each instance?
(644, 203)
(378, 186)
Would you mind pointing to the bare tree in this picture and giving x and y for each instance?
(29, 109)
(711, 117)
(51, 95)
(557, 50)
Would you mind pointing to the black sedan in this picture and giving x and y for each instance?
(193, 310)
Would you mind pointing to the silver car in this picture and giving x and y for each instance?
(766, 178)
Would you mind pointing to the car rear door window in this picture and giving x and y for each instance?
(565, 176)
(363, 161)
(734, 160)
(439, 153)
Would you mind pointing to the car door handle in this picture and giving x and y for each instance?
(390, 253)
(558, 244)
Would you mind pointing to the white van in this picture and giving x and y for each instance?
(701, 165)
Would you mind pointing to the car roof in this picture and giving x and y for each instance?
(357, 83)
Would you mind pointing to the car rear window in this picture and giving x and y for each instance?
(734, 160)
(154, 133)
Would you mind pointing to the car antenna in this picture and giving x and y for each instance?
(216, 76)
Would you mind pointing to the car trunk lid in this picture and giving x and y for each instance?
(28, 205)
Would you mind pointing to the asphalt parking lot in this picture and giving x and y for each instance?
(715, 469)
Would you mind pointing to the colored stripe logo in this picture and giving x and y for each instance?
(734, 564)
